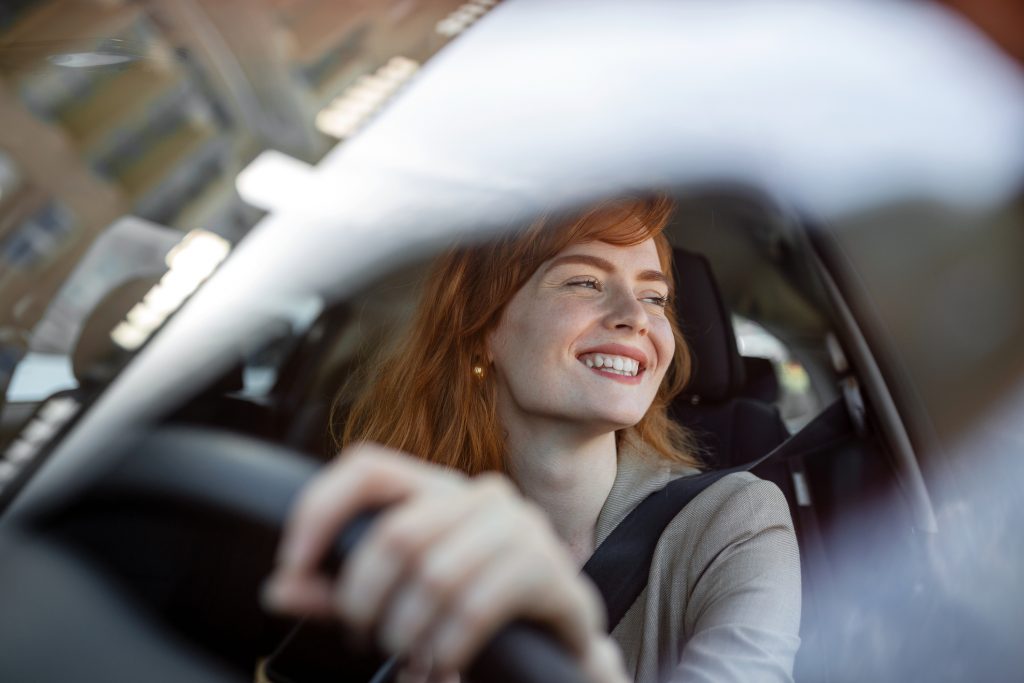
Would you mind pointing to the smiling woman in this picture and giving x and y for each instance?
(543, 364)
(444, 412)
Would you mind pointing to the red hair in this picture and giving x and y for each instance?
(423, 397)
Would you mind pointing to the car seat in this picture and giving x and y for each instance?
(727, 402)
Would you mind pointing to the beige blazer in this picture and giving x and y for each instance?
(723, 598)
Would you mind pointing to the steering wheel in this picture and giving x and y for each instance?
(181, 476)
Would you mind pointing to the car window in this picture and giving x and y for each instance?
(39, 375)
(798, 400)
(126, 125)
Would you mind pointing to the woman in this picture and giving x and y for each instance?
(542, 366)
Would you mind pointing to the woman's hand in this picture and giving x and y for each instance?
(442, 569)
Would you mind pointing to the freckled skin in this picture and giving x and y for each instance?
(567, 309)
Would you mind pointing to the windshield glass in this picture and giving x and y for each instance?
(125, 126)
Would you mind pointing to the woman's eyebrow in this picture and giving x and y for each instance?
(605, 265)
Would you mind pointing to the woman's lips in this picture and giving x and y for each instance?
(623, 379)
(618, 350)
(624, 364)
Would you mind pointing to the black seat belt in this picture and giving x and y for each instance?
(621, 564)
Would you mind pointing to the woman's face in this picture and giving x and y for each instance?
(585, 340)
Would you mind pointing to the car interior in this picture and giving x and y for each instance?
(194, 564)
(855, 356)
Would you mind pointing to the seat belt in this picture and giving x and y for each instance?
(621, 564)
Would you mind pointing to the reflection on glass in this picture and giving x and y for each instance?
(120, 110)
(190, 263)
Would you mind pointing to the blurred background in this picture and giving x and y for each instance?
(133, 119)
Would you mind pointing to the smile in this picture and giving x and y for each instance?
(616, 365)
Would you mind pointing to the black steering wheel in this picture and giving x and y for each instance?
(66, 614)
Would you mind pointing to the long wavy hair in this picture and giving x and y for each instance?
(422, 396)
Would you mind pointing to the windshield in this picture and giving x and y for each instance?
(125, 126)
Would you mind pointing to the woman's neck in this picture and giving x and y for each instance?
(568, 475)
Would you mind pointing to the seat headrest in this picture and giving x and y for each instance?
(718, 372)
(761, 383)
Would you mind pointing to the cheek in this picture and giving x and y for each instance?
(545, 329)
(664, 344)
(522, 335)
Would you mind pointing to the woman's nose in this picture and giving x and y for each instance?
(627, 312)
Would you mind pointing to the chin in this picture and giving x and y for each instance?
(614, 421)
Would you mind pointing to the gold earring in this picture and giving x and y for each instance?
(478, 371)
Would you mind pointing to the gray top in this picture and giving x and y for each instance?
(722, 602)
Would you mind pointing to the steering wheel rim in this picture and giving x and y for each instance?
(259, 481)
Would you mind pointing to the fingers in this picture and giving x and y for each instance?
(439, 573)
(510, 586)
(447, 567)
(308, 596)
(362, 477)
(393, 552)
(499, 562)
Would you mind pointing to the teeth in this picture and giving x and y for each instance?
(619, 365)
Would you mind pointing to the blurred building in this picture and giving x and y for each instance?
(150, 109)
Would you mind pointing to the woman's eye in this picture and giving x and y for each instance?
(587, 283)
(659, 301)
